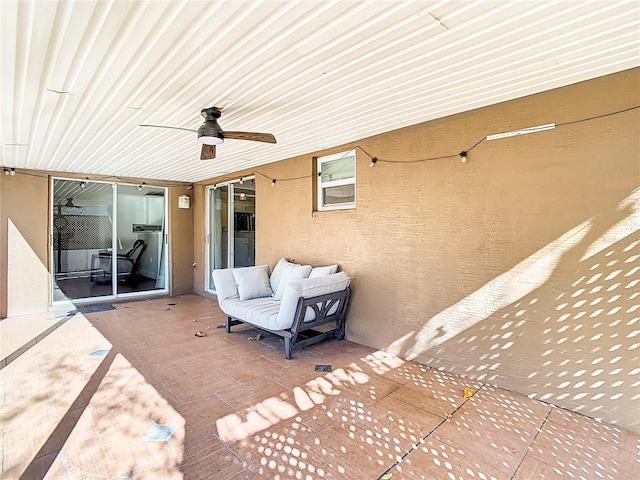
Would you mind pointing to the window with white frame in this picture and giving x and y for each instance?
(337, 181)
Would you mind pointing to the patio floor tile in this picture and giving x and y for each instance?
(436, 392)
(581, 455)
(435, 460)
(161, 403)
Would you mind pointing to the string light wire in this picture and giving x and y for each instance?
(466, 151)
(374, 160)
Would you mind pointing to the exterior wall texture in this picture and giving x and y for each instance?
(24, 280)
(520, 268)
(181, 241)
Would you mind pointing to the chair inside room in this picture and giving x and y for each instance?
(127, 263)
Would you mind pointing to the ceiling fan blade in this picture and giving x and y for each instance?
(171, 128)
(208, 152)
(253, 136)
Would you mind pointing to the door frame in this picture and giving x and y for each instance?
(231, 184)
(114, 235)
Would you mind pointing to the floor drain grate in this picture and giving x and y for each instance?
(98, 353)
(159, 433)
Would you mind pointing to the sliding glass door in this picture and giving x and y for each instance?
(82, 226)
(231, 212)
(108, 240)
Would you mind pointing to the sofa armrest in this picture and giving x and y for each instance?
(308, 288)
(315, 311)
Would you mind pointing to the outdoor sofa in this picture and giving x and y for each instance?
(292, 302)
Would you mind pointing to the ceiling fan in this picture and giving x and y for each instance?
(210, 134)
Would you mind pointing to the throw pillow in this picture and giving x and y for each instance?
(323, 271)
(240, 272)
(254, 284)
(291, 274)
(278, 270)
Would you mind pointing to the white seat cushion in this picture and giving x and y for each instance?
(261, 312)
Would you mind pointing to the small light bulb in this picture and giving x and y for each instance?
(463, 157)
(241, 180)
(12, 172)
(6, 171)
(373, 162)
(273, 182)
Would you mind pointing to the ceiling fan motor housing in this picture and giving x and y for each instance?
(210, 132)
(211, 113)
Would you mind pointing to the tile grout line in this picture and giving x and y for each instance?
(600, 423)
(63, 460)
(6, 361)
(423, 439)
(538, 432)
(244, 464)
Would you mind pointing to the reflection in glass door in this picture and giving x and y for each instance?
(231, 210)
(82, 227)
(140, 235)
(108, 240)
(218, 251)
(244, 215)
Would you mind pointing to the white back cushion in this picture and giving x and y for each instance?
(291, 274)
(323, 271)
(278, 270)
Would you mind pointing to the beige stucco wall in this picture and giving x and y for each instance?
(24, 278)
(24, 241)
(181, 241)
(519, 268)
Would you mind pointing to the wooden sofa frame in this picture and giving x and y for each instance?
(321, 305)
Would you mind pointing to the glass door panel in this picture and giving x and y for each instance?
(82, 235)
(244, 214)
(105, 248)
(140, 239)
(218, 230)
(230, 226)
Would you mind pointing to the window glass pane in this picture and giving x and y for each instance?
(338, 169)
(339, 195)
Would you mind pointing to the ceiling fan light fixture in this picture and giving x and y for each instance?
(210, 133)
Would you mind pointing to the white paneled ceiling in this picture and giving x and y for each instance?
(78, 78)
